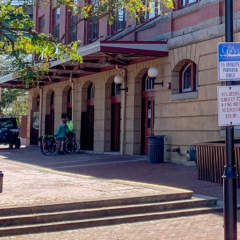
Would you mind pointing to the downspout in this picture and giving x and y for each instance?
(123, 114)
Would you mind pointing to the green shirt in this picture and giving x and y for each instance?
(70, 126)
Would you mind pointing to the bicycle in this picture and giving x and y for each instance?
(48, 145)
(70, 144)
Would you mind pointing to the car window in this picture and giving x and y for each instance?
(8, 123)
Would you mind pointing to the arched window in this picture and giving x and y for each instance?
(91, 92)
(148, 84)
(185, 3)
(187, 77)
(115, 89)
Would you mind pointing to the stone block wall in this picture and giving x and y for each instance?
(185, 119)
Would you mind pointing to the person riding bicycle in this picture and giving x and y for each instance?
(61, 134)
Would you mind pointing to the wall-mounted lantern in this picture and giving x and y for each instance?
(152, 73)
(118, 79)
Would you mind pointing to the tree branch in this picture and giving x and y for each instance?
(9, 39)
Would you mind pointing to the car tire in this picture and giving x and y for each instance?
(17, 143)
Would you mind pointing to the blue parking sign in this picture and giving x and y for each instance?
(229, 61)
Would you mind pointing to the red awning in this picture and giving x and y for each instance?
(114, 52)
(145, 48)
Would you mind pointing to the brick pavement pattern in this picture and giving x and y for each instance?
(200, 227)
(32, 179)
(28, 185)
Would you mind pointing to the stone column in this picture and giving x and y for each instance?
(77, 109)
(133, 113)
(99, 111)
(44, 109)
(58, 98)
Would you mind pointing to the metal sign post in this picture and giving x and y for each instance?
(230, 176)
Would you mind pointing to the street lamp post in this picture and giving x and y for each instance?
(230, 176)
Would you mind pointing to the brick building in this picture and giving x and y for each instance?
(181, 45)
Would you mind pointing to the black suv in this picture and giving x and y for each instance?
(9, 132)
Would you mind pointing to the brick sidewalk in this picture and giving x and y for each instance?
(26, 184)
(199, 227)
(91, 176)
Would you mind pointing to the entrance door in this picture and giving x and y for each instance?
(115, 127)
(49, 119)
(90, 127)
(69, 103)
(147, 113)
(87, 122)
(115, 118)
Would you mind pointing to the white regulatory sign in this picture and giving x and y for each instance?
(228, 105)
(229, 61)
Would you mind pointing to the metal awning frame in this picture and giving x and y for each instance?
(97, 57)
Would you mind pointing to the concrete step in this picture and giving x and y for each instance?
(110, 220)
(38, 218)
(95, 204)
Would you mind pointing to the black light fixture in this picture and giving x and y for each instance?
(152, 73)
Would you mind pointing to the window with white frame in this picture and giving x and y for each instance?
(153, 9)
(119, 21)
(56, 23)
(72, 27)
(148, 84)
(184, 3)
(187, 77)
(92, 23)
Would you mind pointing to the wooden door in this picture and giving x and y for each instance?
(115, 117)
(90, 127)
(87, 128)
(84, 131)
(115, 127)
(147, 122)
(87, 121)
(49, 123)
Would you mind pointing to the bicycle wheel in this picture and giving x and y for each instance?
(70, 146)
(48, 146)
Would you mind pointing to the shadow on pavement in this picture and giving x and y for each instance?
(130, 168)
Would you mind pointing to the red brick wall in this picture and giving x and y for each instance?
(194, 17)
(23, 127)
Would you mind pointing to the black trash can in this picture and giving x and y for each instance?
(156, 149)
